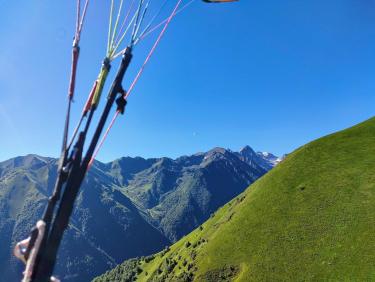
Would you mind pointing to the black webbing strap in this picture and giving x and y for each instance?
(121, 103)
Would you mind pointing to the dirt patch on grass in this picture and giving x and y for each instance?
(227, 273)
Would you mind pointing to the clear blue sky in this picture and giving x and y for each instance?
(272, 74)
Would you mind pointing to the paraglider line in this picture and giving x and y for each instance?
(142, 19)
(116, 24)
(135, 81)
(145, 34)
(110, 27)
(136, 20)
(152, 20)
(83, 18)
(125, 20)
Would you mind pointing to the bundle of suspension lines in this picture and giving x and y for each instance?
(39, 251)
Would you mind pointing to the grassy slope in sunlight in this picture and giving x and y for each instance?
(310, 218)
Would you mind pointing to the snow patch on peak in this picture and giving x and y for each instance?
(270, 158)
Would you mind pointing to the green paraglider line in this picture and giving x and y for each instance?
(135, 26)
(145, 33)
(136, 79)
(117, 45)
(152, 20)
(110, 27)
(141, 20)
(116, 24)
(125, 20)
(166, 22)
(95, 94)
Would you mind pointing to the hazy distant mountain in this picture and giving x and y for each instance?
(127, 208)
(105, 225)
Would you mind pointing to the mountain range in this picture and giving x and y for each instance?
(127, 208)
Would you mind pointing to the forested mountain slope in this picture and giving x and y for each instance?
(128, 208)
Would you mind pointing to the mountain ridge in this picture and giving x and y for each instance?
(144, 204)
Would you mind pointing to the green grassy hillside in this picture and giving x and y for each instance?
(310, 218)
